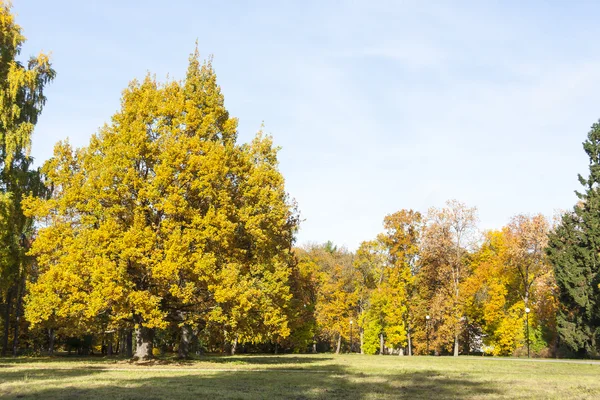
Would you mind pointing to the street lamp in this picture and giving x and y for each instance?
(427, 317)
(527, 310)
(351, 342)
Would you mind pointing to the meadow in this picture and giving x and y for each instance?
(322, 376)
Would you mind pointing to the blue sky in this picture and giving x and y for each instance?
(377, 106)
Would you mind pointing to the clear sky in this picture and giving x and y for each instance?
(377, 105)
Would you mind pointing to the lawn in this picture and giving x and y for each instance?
(322, 376)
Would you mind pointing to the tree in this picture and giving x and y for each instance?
(386, 268)
(527, 240)
(492, 295)
(448, 235)
(368, 265)
(21, 102)
(336, 300)
(164, 219)
(573, 250)
(401, 237)
(372, 296)
(304, 286)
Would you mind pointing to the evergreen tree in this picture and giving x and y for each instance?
(573, 250)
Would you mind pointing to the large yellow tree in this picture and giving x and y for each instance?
(165, 219)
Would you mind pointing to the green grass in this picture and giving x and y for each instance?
(297, 377)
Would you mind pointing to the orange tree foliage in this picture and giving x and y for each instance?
(449, 235)
(509, 273)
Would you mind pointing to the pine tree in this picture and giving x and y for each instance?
(573, 250)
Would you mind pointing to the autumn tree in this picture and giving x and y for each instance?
(21, 102)
(336, 299)
(402, 238)
(304, 286)
(527, 240)
(164, 219)
(449, 234)
(370, 271)
(385, 269)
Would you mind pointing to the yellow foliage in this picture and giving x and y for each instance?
(165, 215)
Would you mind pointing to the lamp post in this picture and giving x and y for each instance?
(427, 317)
(527, 310)
(351, 342)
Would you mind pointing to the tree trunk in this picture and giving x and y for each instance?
(339, 344)
(19, 301)
(129, 344)
(51, 341)
(456, 344)
(184, 342)
(276, 348)
(409, 341)
(381, 345)
(314, 346)
(6, 322)
(401, 351)
(109, 348)
(362, 332)
(234, 346)
(143, 342)
(119, 341)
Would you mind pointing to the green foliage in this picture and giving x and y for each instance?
(573, 251)
(372, 330)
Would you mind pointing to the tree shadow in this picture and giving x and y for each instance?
(58, 359)
(262, 359)
(39, 374)
(311, 382)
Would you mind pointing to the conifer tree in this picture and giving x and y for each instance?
(574, 251)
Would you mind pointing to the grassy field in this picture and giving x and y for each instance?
(297, 377)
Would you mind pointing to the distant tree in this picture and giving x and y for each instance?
(371, 292)
(448, 236)
(402, 239)
(496, 293)
(336, 299)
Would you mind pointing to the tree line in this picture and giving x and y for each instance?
(166, 234)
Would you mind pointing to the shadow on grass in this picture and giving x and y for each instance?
(40, 374)
(261, 359)
(165, 361)
(62, 358)
(312, 382)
